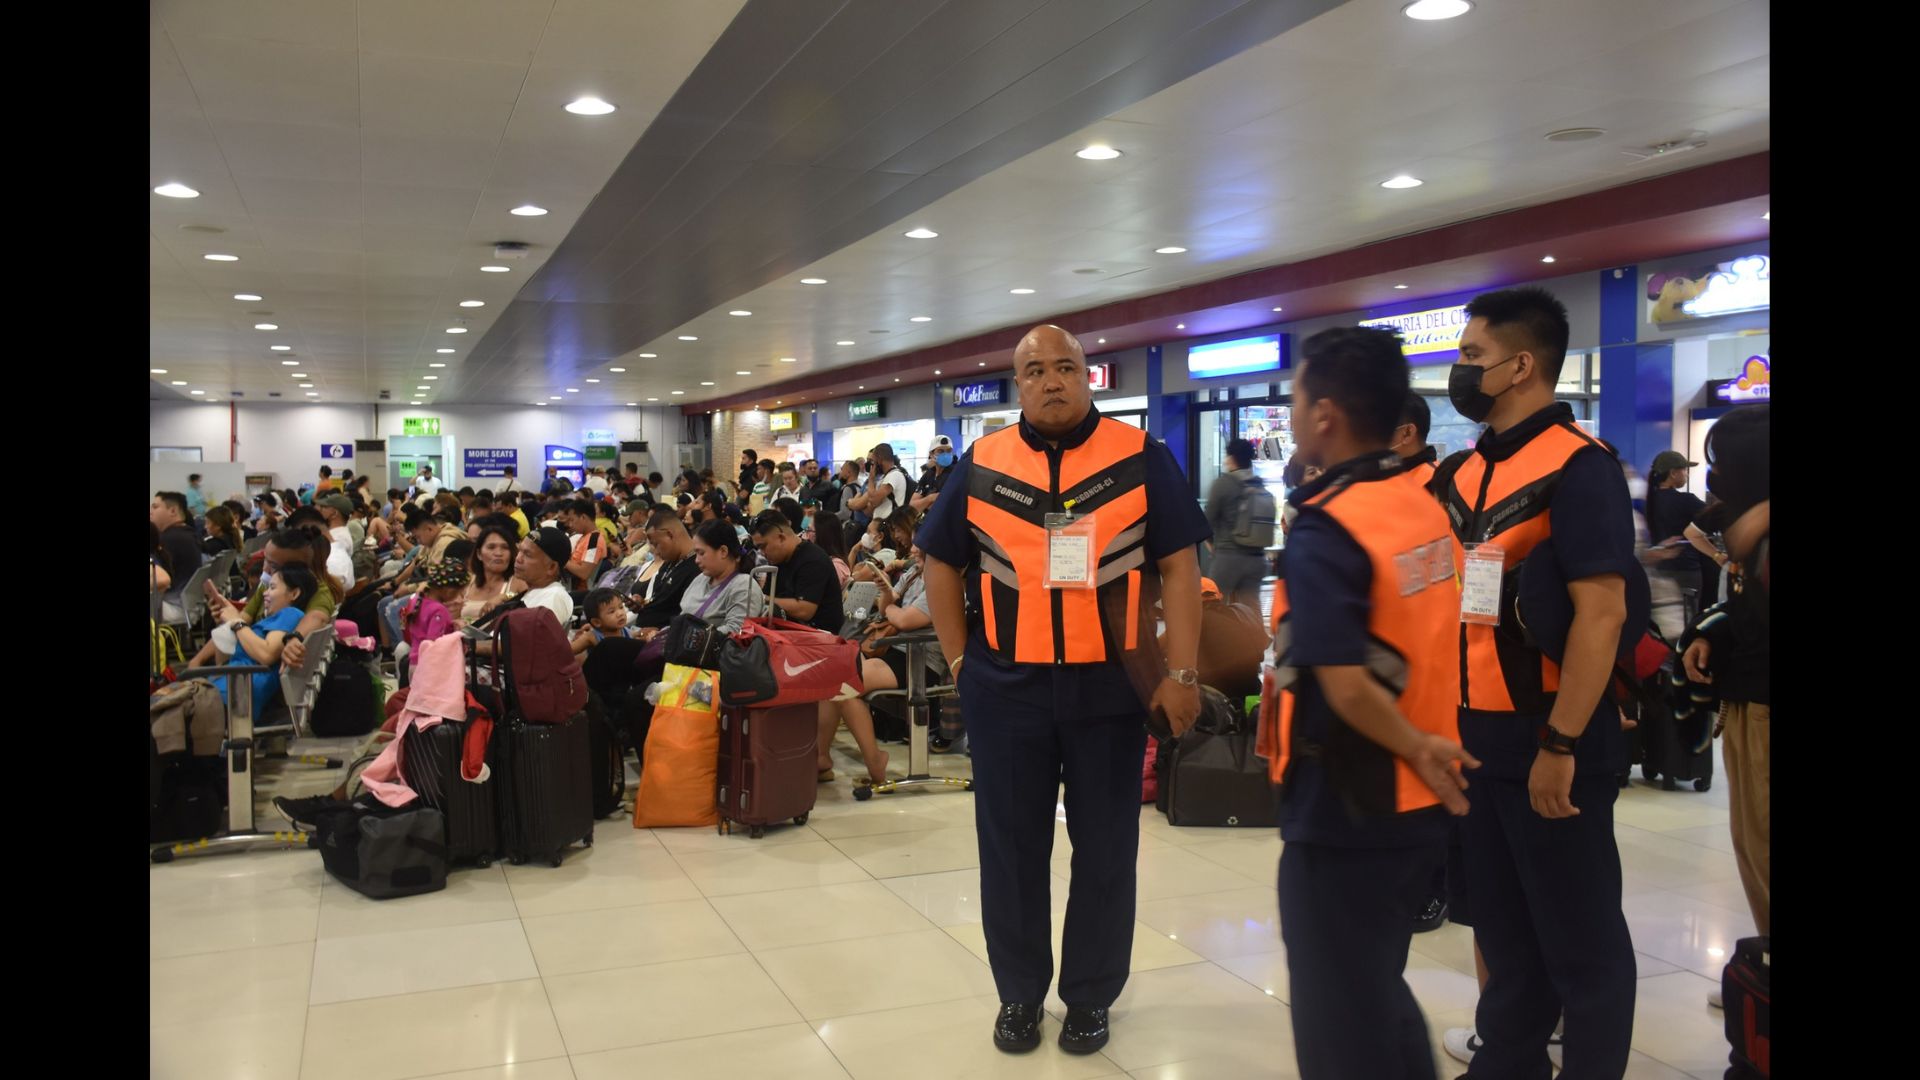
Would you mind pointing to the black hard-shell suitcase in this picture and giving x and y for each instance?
(545, 797)
(767, 771)
(430, 764)
(1664, 757)
(608, 757)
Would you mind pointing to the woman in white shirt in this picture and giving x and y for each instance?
(724, 594)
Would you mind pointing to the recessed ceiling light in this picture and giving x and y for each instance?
(179, 382)
(443, 350)
(789, 359)
(649, 356)
(813, 281)
(631, 404)
(456, 329)
(436, 363)
(419, 397)
(921, 318)
(653, 399)
(618, 370)
(1179, 326)
(157, 371)
(1170, 249)
(306, 386)
(593, 380)
(676, 391)
(983, 363)
(1434, 10)
(1401, 182)
(743, 373)
(1097, 152)
(936, 371)
(863, 386)
(266, 326)
(589, 106)
(1768, 216)
(923, 234)
(542, 404)
(289, 363)
(221, 258)
(706, 384)
(1277, 309)
(573, 389)
(298, 375)
(196, 391)
(1021, 292)
(739, 313)
(473, 303)
(313, 393)
(556, 397)
(247, 296)
(1399, 286)
(176, 191)
(423, 386)
(1102, 341)
(843, 343)
(896, 380)
(529, 210)
(1547, 259)
(281, 348)
(688, 337)
(496, 269)
(429, 378)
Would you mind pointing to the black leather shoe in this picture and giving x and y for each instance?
(1084, 1031)
(1018, 1028)
(1432, 917)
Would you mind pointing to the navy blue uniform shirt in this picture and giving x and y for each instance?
(1174, 521)
(1329, 582)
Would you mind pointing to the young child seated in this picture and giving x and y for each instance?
(426, 614)
(606, 617)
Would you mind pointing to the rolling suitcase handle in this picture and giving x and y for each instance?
(772, 574)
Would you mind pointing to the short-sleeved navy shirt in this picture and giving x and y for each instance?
(1329, 581)
(1174, 521)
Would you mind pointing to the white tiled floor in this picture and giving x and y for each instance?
(849, 947)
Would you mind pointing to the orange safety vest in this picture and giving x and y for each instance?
(1413, 606)
(1012, 488)
(1508, 502)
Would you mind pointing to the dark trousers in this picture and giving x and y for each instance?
(615, 672)
(1021, 756)
(1346, 915)
(1546, 899)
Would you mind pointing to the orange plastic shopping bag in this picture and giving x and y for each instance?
(682, 757)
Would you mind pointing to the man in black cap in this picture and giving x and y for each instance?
(1670, 509)
(539, 562)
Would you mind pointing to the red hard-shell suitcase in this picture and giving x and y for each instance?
(767, 770)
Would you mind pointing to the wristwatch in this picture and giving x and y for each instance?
(1185, 676)
(1555, 741)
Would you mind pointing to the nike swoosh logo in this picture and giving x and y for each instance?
(791, 670)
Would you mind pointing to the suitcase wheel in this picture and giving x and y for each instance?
(554, 861)
(757, 831)
(802, 819)
(862, 794)
(483, 861)
(1668, 783)
(1703, 783)
(724, 827)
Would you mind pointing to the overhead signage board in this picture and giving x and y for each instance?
(1243, 356)
(1754, 383)
(782, 421)
(592, 436)
(1424, 333)
(336, 451)
(489, 462)
(420, 425)
(1728, 288)
(867, 409)
(1100, 376)
(980, 392)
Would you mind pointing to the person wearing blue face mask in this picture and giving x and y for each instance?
(935, 477)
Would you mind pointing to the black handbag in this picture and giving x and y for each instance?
(1215, 777)
(692, 641)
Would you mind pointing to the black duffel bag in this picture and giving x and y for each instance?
(1214, 777)
(382, 852)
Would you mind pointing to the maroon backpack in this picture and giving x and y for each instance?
(544, 684)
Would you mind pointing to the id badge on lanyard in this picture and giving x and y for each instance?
(1070, 554)
(1480, 584)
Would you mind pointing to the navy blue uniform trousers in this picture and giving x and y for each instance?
(1021, 756)
(1346, 915)
(1546, 908)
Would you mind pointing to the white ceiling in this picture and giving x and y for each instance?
(364, 185)
(362, 157)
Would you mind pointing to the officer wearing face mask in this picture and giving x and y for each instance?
(935, 477)
(1543, 871)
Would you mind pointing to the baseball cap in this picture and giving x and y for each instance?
(337, 502)
(942, 443)
(1669, 460)
(554, 544)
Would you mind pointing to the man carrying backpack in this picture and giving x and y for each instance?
(1241, 513)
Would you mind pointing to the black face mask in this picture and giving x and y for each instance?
(1463, 389)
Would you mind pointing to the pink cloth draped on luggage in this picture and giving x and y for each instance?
(438, 692)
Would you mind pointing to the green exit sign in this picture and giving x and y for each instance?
(866, 409)
(420, 425)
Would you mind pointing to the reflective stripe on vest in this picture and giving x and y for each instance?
(1413, 606)
(1507, 503)
(1012, 489)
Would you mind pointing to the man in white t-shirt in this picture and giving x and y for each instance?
(425, 483)
(538, 563)
(337, 511)
(596, 480)
(511, 483)
(890, 488)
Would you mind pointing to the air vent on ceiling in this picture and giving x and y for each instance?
(239, 393)
(509, 249)
(202, 228)
(273, 393)
(1693, 140)
(1581, 134)
(386, 395)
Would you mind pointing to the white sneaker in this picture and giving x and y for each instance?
(1553, 1049)
(1713, 998)
(1461, 1044)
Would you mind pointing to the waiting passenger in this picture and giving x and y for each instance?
(606, 618)
(723, 562)
(429, 614)
(491, 567)
(236, 640)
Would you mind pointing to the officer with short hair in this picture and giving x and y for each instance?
(1058, 534)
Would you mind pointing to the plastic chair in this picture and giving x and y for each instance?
(918, 698)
